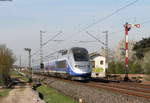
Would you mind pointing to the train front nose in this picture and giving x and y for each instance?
(82, 68)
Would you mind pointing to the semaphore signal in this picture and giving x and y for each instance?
(127, 28)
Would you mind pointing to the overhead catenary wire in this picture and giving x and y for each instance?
(95, 38)
(51, 53)
(144, 22)
(35, 53)
(109, 15)
(104, 18)
(94, 23)
(98, 21)
(47, 56)
(86, 41)
(141, 23)
(48, 42)
(52, 38)
(89, 41)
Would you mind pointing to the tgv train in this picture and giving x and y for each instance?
(72, 64)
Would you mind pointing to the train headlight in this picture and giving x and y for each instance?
(82, 66)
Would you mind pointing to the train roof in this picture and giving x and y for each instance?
(94, 55)
(75, 48)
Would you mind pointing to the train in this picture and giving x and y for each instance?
(73, 63)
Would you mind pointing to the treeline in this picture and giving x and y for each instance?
(139, 62)
(6, 62)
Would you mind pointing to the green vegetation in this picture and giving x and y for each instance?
(146, 63)
(142, 54)
(116, 68)
(52, 96)
(6, 62)
(142, 47)
(15, 74)
(139, 59)
(4, 92)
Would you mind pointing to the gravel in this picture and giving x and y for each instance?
(91, 94)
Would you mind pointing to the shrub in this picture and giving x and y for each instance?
(6, 61)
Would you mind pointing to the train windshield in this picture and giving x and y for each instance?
(80, 54)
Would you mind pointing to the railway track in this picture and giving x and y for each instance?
(134, 89)
(146, 86)
(124, 89)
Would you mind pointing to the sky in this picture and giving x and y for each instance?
(22, 20)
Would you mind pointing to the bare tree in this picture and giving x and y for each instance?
(119, 52)
(6, 62)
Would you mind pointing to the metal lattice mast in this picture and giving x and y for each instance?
(106, 50)
(41, 47)
(20, 62)
(29, 50)
(31, 70)
(106, 46)
(30, 58)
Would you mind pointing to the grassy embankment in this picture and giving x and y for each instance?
(4, 92)
(15, 74)
(52, 96)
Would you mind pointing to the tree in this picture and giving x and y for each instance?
(142, 53)
(146, 63)
(119, 51)
(6, 62)
(141, 47)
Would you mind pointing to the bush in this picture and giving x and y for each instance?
(119, 67)
(6, 62)
(146, 63)
(116, 68)
(135, 67)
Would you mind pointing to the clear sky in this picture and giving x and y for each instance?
(22, 20)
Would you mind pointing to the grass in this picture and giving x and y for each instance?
(15, 74)
(4, 92)
(52, 96)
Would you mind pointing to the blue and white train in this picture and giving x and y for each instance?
(72, 64)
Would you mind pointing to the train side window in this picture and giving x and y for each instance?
(101, 62)
(61, 64)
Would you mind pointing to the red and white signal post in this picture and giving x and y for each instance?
(127, 27)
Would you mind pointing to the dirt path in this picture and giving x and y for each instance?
(22, 95)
